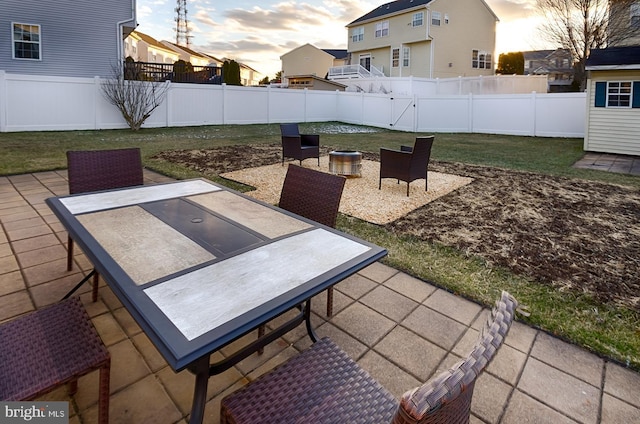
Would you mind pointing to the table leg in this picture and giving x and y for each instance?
(201, 370)
(307, 318)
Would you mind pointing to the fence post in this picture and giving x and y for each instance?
(97, 122)
(470, 106)
(169, 109)
(224, 103)
(534, 106)
(3, 101)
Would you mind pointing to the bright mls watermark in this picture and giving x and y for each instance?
(34, 412)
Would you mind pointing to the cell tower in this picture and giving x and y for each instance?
(183, 38)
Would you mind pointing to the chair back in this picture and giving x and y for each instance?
(289, 130)
(93, 170)
(421, 154)
(312, 194)
(447, 398)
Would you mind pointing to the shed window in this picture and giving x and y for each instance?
(26, 41)
(617, 94)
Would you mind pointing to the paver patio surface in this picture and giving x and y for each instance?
(400, 329)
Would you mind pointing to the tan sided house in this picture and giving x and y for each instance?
(425, 38)
(308, 60)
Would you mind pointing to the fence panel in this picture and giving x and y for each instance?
(560, 115)
(503, 114)
(36, 103)
(443, 114)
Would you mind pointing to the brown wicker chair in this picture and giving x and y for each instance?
(50, 347)
(324, 385)
(315, 195)
(299, 146)
(94, 170)
(408, 163)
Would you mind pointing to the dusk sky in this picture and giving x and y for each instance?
(259, 35)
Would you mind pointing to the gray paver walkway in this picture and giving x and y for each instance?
(402, 330)
(609, 162)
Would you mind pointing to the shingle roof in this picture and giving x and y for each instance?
(389, 8)
(613, 57)
(337, 53)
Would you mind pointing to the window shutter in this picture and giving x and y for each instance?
(636, 95)
(601, 94)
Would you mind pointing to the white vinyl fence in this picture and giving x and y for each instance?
(35, 103)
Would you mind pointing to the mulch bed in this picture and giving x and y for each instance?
(572, 234)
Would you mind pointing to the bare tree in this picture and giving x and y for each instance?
(136, 99)
(582, 25)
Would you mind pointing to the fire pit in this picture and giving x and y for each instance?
(345, 162)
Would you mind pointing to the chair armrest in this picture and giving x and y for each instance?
(291, 141)
(394, 154)
(310, 139)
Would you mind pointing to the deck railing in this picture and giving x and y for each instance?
(147, 71)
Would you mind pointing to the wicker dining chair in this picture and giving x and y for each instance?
(48, 348)
(94, 170)
(324, 385)
(408, 163)
(299, 146)
(315, 195)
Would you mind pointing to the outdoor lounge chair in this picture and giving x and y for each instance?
(94, 170)
(408, 163)
(299, 146)
(324, 385)
(52, 346)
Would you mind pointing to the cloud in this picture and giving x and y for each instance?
(287, 16)
(509, 10)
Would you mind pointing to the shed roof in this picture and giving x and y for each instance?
(614, 58)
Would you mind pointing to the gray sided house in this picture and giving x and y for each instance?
(71, 38)
(613, 96)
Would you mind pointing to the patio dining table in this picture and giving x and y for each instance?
(198, 266)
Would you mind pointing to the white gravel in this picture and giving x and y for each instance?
(361, 197)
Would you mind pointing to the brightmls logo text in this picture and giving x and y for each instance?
(34, 412)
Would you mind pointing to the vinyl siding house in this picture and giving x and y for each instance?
(613, 98)
(144, 48)
(555, 64)
(80, 38)
(309, 60)
(425, 38)
(188, 55)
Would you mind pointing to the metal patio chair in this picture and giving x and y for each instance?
(324, 385)
(94, 170)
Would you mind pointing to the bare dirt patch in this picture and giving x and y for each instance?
(572, 234)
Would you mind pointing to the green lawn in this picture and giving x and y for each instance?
(610, 331)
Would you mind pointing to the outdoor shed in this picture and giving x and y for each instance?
(613, 96)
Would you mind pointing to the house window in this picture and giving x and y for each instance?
(619, 94)
(357, 34)
(417, 19)
(634, 12)
(405, 57)
(446, 18)
(480, 60)
(435, 18)
(382, 29)
(26, 41)
(395, 58)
